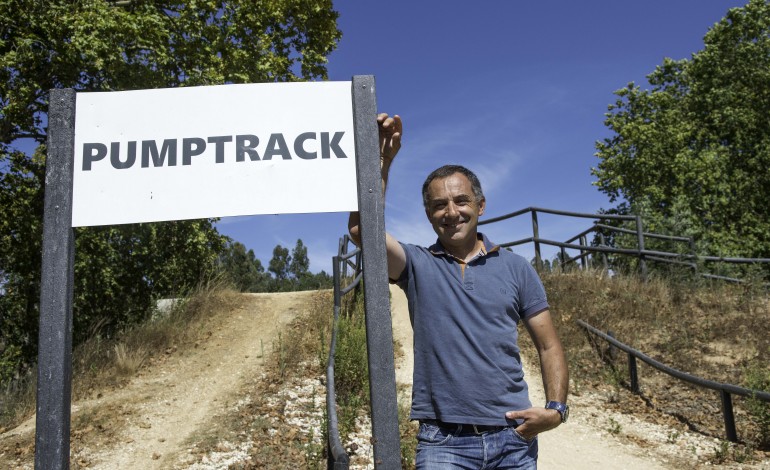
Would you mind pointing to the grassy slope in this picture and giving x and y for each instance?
(713, 330)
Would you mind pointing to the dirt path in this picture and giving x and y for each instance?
(159, 410)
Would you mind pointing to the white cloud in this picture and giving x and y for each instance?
(412, 228)
(320, 254)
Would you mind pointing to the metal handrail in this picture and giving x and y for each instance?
(557, 212)
(685, 259)
(337, 457)
(633, 232)
(725, 390)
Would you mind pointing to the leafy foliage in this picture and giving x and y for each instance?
(757, 377)
(102, 45)
(300, 264)
(694, 150)
(290, 272)
(279, 263)
(119, 270)
(20, 228)
(244, 269)
(121, 45)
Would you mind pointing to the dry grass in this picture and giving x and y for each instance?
(101, 363)
(17, 401)
(712, 330)
(300, 351)
(127, 361)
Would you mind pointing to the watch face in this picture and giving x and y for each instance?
(562, 408)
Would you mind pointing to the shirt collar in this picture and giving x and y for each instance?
(488, 247)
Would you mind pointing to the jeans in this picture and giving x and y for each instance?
(440, 449)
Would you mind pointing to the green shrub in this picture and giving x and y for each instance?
(351, 366)
(757, 377)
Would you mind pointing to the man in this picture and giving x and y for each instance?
(466, 297)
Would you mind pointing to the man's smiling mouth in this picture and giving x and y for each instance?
(454, 225)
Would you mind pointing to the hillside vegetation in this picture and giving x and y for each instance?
(712, 330)
(715, 331)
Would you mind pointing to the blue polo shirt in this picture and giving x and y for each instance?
(467, 367)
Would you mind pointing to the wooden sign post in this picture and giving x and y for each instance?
(200, 152)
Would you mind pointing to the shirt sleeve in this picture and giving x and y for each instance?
(533, 297)
(404, 277)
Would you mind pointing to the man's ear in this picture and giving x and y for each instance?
(482, 206)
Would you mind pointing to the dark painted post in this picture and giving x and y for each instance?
(343, 250)
(729, 416)
(604, 254)
(640, 241)
(336, 456)
(632, 373)
(694, 253)
(54, 377)
(536, 235)
(379, 334)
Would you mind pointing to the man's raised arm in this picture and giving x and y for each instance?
(390, 130)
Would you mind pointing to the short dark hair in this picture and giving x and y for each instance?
(447, 171)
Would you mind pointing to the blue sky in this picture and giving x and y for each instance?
(514, 90)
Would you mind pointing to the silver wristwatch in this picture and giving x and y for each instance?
(562, 408)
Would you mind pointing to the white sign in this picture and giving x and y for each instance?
(214, 151)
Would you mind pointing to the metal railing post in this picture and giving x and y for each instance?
(726, 390)
(694, 254)
(640, 239)
(729, 415)
(536, 235)
(343, 249)
(633, 374)
(337, 280)
(604, 255)
(336, 457)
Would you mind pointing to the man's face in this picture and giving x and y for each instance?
(453, 211)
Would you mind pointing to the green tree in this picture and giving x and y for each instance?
(245, 270)
(279, 263)
(320, 280)
(121, 270)
(20, 228)
(107, 45)
(121, 45)
(692, 152)
(299, 265)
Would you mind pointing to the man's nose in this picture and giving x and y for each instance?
(451, 210)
